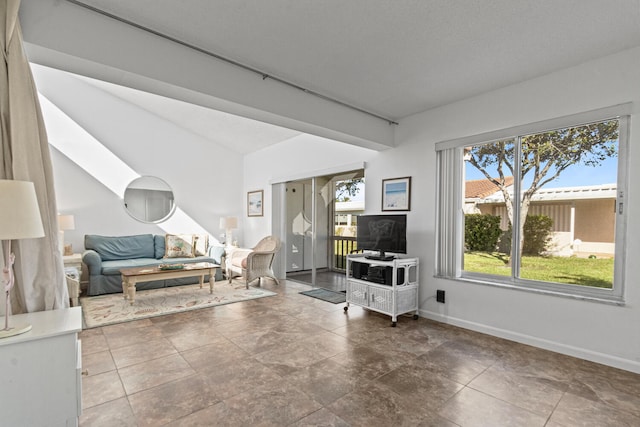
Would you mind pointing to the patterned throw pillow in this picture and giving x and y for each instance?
(201, 244)
(179, 246)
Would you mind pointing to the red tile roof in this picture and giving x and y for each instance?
(481, 188)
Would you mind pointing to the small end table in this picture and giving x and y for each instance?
(73, 284)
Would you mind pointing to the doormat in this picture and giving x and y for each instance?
(113, 308)
(326, 295)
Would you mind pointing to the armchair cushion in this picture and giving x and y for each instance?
(254, 263)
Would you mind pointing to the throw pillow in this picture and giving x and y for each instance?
(201, 244)
(179, 246)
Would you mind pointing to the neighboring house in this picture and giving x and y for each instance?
(345, 221)
(583, 217)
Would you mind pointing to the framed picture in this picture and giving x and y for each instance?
(254, 203)
(396, 194)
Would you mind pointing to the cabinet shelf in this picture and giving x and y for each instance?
(388, 287)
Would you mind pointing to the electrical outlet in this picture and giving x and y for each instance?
(440, 296)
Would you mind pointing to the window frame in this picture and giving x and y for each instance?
(449, 239)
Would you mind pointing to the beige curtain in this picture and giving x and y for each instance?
(24, 155)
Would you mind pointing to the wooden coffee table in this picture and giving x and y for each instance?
(131, 276)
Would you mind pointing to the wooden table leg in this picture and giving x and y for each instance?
(125, 287)
(212, 278)
(201, 280)
(132, 291)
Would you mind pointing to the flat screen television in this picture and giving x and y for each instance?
(382, 233)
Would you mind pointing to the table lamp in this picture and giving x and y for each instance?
(65, 222)
(228, 223)
(19, 219)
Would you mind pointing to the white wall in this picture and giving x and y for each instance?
(206, 178)
(304, 156)
(600, 332)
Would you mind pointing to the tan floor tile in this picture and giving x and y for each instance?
(114, 413)
(452, 365)
(419, 385)
(120, 337)
(217, 415)
(194, 337)
(278, 360)
(272, 405)
(93, 342)
(142, 352)
(325, 381)
(322, 417)
(374, 405)
(101, 388)
(97, 363)
(575, 410)
(367, 363)
(521, 390)
(470, 408)
(214, 357)
(155, 372)
(171, 401)
(616, 388)
(239, 376)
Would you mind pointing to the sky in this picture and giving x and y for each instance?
(574, 176)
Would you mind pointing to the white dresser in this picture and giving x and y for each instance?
(41, 369)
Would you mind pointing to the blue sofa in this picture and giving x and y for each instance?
(104, 256)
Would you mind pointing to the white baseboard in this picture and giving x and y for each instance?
(593, 356)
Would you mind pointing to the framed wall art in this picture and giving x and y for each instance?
(254, 203)
(396, 194)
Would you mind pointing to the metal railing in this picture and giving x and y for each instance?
(342, 246)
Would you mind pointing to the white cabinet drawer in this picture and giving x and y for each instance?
(357, 293)
(381, 299)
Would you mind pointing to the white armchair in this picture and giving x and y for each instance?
(254, 263)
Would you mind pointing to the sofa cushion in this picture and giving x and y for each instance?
(179, 246)
(121, 247)
(216, 252)
(158, 245)
(200, 245)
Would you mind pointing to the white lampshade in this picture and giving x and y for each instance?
(228, 222)
(20, 215)
(19, 219)
(66, 222)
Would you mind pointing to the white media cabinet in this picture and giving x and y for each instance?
(388, 287)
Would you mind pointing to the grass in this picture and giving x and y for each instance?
(595, 272)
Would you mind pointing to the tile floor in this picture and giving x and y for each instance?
(324, 279)
(291, 360)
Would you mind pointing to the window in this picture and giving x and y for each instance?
(538, 207)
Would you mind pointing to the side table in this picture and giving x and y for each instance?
(226, 261)
(73, 283)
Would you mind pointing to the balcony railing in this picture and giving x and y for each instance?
(342, 246)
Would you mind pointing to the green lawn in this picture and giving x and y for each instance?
(578, 271)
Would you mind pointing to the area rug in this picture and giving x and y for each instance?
(326, 295)
(113, 308)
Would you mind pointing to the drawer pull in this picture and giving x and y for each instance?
(85, 372)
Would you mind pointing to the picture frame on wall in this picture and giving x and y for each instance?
(396, 194)
(255, 203)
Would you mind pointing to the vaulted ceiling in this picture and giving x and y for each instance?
(391, 58)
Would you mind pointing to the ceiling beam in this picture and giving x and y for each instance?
(69, 37)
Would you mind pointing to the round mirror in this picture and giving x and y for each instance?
(149, 199)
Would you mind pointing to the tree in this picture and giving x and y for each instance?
(545, 156)
(347, 189)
